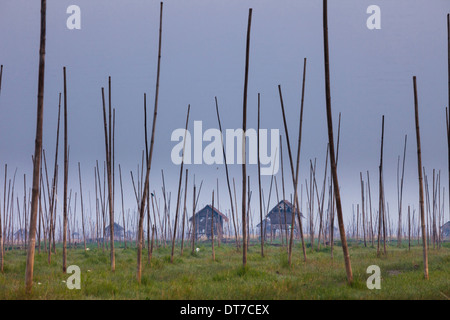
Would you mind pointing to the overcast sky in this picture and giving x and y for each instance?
(203, 56)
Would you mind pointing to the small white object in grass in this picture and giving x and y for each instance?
(39, 283)
(89, 270)
(87, 249)
(198, 249)
(64, 281)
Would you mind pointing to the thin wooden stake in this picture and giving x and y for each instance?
(419, 165)
(184, 212)
(348, 267)
(66, 175)
(179, 188)
(233, 213)
(259, 179)
(380, 202)
(37, 154)
(244, 128)
(144, 197)
(212, 228)
(82, 207)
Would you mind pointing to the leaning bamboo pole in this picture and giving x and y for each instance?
(299, 143)
(244, 128)
(1, 241)
(1, 76)
(294, 172)
(380, 201)
(148, 193)
(333, 202)
(409, 228)
(152, 141)
(46, 221)
(331, 142)
(399, 233)
(233, 213)
(37, 153)
(259, 178)
(194, 232)
(448, 106)
(284, 192)
(447, 116)
(419, 165)
(179, 187)
(320, 202)
(212, 228)
(123, 210)
(295, 184)
(362, 208)
(109, 197)
(184, 212)
(4, 213)
(82, 207)
(370, 208)
(66, 174)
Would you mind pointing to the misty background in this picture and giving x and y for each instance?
(203, 56)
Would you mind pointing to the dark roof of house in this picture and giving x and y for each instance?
(280, 207)
(208, 207)
(117, 227)
(20, 231)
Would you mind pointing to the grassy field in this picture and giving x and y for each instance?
(196, 276)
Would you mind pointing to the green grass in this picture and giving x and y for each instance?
(196, 276)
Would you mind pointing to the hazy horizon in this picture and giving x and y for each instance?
(203, 56)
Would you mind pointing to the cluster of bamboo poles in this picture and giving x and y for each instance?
(39, 205)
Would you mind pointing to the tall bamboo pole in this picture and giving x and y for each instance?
(194, 232)
(333, 204)
(148, 194)
(419, 165)
(212, 228)
(1, 76)
(299, 143)
(296, 206)
(321, 203)
(409, 228)
(37, 153)
(66, 173)
(259, 178)
(447, 117)
(370, 208)
(52, 197)
(184, 212)
(448, 106)
(294, 173)
(399, 234)
(123, 209)
(147, 175)
(284, 192)
(1, 237)
(109, 178)
(82, 207)
(244, 128)
(362, 208)
(348, 267)
(227, 175)
(179, 187)
(380, 201)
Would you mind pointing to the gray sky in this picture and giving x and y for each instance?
(203, 56)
